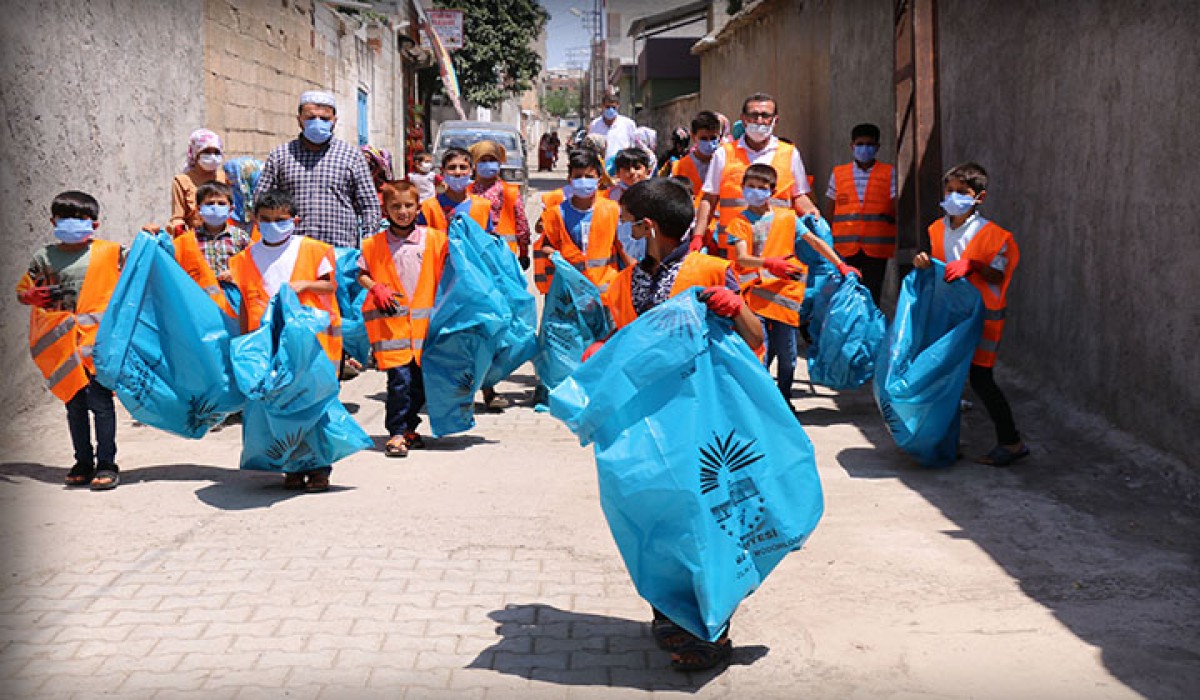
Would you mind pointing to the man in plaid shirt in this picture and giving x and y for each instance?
(328, 178)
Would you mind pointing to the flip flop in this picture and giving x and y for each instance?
(668, 635)
(105, 480)
(80, 475)
(397, 446)
(1001, 456)
(699, 655)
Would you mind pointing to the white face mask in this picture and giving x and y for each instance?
(760, 132)
(209, 161)
(424, 167)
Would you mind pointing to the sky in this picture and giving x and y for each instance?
(564, 30)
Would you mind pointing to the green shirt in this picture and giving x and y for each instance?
(53, 265)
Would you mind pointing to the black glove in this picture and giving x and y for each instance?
(524, 260)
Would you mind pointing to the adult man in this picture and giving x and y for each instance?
(723, 182)
(327, 177)
(863, 195)
(619, 131)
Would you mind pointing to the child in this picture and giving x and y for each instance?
(205, 252)
(762, 237)
(401, 268)
(633, 166)
(436, 212)
(508, 208)
(423, 177)
(283, 257)
(706, 139)
(660, 212)
(582, 228)
(986, 255)
(864, 209)
(68, 286)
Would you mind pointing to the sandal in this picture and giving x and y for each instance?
(293, 481)
(317, 483)
(1001, 456)
(397, 446)
(80, 475)
(668, 635)
(699, 655)
(414, 440)
(106, 478)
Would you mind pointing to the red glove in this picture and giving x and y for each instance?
(592, 350)
(846, 270)
(782, 269)
(384, 297)
(40, 297)
(696, 243)
(961, 268)
(722, 301)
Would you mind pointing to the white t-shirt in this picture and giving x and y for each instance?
(712, 181)
(956, 240)
(621, 134)
(276, 263)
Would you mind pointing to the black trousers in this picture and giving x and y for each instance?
(873, 272)
(984, 386)
(97, 401)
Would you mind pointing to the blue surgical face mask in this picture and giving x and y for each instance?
(756, 196)
(584, 186)
(610, 113)
(318, 130)
(957, 204)
(636, 247)
(72, 231)
(707, 147)
(487, 169)
(458, 183)
(865, 153)
(214, 214)
(275, 232)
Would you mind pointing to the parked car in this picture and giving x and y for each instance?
(463, 134)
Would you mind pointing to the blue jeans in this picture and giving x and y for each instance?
(98, 401)
(405, 397)
(781, 346)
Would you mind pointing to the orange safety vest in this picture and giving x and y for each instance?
(767, 295)
(600, 265)
(869, 224)
(399, 339)
(61, 342)
(697, 270)
(308, 261)
(984, 247)
(191, 259)
(736, 161)
(435, 217)
(553, 198)
(687, 167)
(506, 226)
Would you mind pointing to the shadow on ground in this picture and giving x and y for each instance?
(1101, 533)
(540, 642)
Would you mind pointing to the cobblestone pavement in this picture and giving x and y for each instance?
(482, 568)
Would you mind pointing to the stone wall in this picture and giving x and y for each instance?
(96, 99)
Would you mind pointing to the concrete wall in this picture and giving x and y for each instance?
(670, 114)
(95, 97)
(1083, 115)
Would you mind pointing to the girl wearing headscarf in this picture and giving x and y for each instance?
(204, 158)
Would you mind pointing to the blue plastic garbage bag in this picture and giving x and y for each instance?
(820, 270)
(573, 318)
(850, 330)
(923, 364)
(469, 318)
(233, 295)
(350, 298)
(293, 420)
(706, 478)
(163, 345)
(518, 344)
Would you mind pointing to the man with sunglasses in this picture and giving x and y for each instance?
(723, 184)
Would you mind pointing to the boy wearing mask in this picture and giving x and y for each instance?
(986, 255)
(437, 212)
(308, 266)
(863, 194)
(423, 177)
(68, 287)
(205, 252)
(583, 228)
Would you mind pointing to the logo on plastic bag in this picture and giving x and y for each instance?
(735, 501)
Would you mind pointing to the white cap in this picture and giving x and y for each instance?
(318, 97)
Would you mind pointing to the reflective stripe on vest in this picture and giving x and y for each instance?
(747, 278)
(398, 344)
(92, 319)
(839, 218)
(85, 350)
(213, 290)
(68, 366)
(43, 344)
(763, 293)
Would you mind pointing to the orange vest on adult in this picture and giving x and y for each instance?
(984, 247)
(61, 342)
(506, 224)
(435, 217)
(736, 162)
(308, 262)
(767, 295)
(697, 270)
(600, 263)
(399, 339)
(191, 259)
(868, 224)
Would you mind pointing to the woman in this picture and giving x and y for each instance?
(545, 153)
(379, 160)
(204, 158)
